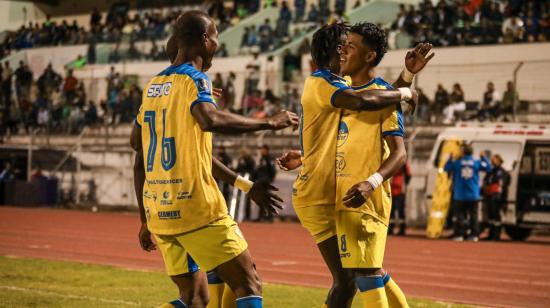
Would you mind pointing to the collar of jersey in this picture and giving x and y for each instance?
(326, 73)
(373, 81)
(172, 69)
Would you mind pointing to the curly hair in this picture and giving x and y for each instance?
(374, 37)
(325, 43)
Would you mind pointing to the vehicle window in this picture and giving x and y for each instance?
(509, 151)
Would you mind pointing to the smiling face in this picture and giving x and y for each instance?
(355, 55)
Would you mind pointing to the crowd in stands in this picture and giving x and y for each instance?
(448, 107)
(56, 104)
(450, 23)
(117, 24)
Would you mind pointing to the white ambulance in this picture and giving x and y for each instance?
(525, 149)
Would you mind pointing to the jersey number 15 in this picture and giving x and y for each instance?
(168, 153)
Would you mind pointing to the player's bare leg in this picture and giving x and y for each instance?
(241, 276)
(343, 287)
(193, 290)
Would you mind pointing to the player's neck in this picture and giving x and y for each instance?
(194, 59)
(363, 76)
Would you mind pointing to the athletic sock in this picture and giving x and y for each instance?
(216, 287)
(396, 297)
(372, 291)
(252, 301)
(178, 303)
(229, 298)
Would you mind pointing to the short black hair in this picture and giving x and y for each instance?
(374, 37)
(325, 43)
(190, 27)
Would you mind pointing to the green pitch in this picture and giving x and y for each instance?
(40, 283)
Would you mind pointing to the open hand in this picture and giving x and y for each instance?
(290, 160)
(283, 119)
(358, 194)
(263, 195)
(145, 240)
(416, 59)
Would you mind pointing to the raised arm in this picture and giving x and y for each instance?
(213, 120)
(262, 195)
(415, 61)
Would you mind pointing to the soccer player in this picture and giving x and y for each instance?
(182, 205)
(363, 194)
(315, 188)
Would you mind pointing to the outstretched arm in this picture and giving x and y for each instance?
(360, 192)
(373, 99)
(415, 61)
(213, 120)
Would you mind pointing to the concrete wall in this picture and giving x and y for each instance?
(14, 13)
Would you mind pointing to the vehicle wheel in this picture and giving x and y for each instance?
(517, 233)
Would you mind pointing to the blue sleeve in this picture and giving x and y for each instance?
(204, 90)
(449, 166)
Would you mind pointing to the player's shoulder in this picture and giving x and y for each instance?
(383, 83)
(330, 78)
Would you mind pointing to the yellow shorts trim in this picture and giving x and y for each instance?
(210, 246)
(361, 240)
(319, 221)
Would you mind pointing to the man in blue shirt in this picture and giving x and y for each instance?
(466, 190)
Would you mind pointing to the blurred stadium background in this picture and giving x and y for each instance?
(72, 73)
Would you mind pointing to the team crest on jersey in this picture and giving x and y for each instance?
(147, 213)
(343, 133)
(159, 90)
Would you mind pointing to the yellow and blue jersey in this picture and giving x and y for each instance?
(180, 193)
(315, 185)
(361, 149)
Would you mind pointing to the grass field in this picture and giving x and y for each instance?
(40, 283)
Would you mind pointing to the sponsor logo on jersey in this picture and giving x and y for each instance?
(184, 195)
(165, 182)
(166, 199)
(159, 90)
(340, 162)
(204, 85)
(167, 215)
(147, 213)
(150, 195)
(343, 133)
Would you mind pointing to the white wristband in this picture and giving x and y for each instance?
(243, 184)
(375, 180)
(407, 76)
(406, 94)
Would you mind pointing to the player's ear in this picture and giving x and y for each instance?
(370, 56)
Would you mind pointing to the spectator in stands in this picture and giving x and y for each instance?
(441, 101)
(230, 91)
(313, 15)
(399, 183)
(509, 99)
(23, 81)
(69, 86)
(457, 104)
(95, 18)
(466, 191)
(340, 5)
(424, 106)
(291, 63)
(222, 51)
(299, 10)
(489, 108)
(513, 30)
(324, 11)
(305, 47)
(6, 84)
(494, 191)
(253, 78)
(253, 102)
(265, 175)
(43, 119)
(49, 80)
